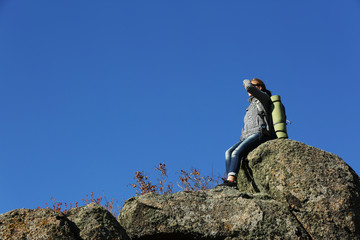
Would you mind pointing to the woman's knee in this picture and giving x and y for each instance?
(236, 154)
(228, 154)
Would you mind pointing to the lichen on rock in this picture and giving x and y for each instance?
(36, 224)
(218, 213)
(95, 222)
(90, 222)
(287, 190)
(320, 189)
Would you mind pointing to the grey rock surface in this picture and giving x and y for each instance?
(37, 224)
(220, 213)
(287, 190)
(95, 222)
(320, 189)
(91, 222)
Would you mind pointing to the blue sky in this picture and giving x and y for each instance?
(92, 91)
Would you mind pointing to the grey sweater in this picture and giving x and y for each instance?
(254, 121)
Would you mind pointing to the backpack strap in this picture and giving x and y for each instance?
(267, 118)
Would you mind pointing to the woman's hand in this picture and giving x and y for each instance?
(246, 82)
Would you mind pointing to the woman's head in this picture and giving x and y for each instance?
(260, 85)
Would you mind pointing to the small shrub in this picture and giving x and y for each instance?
(193, 181)
(189, 181)
(143, 184)
(112, 206)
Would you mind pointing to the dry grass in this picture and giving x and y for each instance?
(188, 181)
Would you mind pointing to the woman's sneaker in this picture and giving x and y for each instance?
(228, 183)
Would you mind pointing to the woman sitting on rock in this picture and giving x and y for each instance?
(257, 129)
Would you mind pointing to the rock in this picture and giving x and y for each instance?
(220, 213)
(318, 187)
(36, 224)
(287, 190)
(82, 223)
(95, 222)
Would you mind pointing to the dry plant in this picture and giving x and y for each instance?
(193, 181)
(144, 185)
(112, 206)
(163, 188)
(188, 181)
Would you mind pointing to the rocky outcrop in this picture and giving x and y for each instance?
(88, 222)
(288, 190)
(319, 188)
(220, 213)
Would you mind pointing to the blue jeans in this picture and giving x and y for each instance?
(235, 154)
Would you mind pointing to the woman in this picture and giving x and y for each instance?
(256, 129)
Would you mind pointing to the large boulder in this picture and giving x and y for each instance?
(287, 190)
(321, 190)
(37, 224)
(220, 213)
(95, 222)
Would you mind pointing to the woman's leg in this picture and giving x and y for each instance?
(241, 151)
(228, 157)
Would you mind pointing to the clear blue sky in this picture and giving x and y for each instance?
(92, 91)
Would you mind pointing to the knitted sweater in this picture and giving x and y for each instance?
(254, 121)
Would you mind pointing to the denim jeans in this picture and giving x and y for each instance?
(235, 154)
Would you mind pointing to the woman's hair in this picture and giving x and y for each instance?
(258, 82)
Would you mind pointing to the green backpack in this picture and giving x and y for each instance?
(276, 121)
(278, 117)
